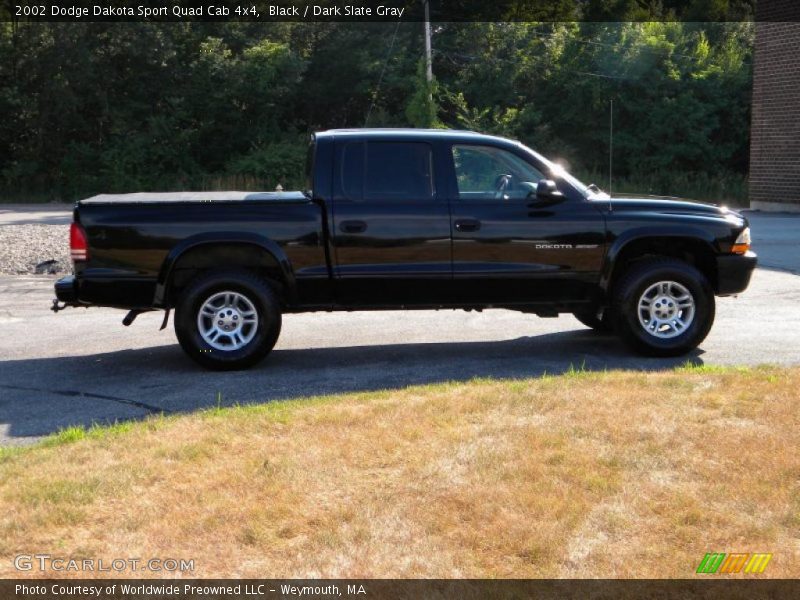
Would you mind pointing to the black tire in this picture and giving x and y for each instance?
(589, 318)
(263, 335)
(637, 281)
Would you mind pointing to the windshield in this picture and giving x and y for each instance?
(590, 191)
(558, 172)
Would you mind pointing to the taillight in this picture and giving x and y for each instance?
(78, 245)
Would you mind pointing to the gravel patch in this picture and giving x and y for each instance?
(34, 249)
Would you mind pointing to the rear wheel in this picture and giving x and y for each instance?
(228, 320)
(664, 307)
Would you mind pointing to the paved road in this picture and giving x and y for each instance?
(82, 366)
(776, 238)
(35, 214)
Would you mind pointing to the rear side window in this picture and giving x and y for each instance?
(387, 171)
(351, 172)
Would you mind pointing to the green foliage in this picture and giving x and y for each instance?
(274, 163)
(680, 92)
(422, 110)
(112, 107)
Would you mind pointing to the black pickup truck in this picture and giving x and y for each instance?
(408, 219)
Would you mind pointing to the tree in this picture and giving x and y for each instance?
(94, 107)
(422, 110)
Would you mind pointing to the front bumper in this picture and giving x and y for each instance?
(734, 272)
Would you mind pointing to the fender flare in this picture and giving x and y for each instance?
(224, 237)
(652, 231)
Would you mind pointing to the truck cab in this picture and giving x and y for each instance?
(454, 218)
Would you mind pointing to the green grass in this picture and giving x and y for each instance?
(690, 367)
(77, 433)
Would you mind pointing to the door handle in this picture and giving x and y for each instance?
(353, 226)
(467, 225)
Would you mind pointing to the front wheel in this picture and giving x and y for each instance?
(664, 307)
(228, 320)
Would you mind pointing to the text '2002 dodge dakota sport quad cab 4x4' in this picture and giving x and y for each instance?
(408, 219)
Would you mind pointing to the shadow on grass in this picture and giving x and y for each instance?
(43, 396)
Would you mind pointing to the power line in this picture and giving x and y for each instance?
(495, 60)
(618, 46)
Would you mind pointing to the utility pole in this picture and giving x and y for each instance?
(428, 51)
(611, 146)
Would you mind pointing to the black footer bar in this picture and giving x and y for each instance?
(435, 589)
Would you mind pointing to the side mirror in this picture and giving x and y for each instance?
(547, 193)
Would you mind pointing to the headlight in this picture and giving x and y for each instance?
(742, 243)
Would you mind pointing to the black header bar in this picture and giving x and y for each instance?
(394, 10)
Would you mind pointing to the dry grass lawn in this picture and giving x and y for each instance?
(616, 474)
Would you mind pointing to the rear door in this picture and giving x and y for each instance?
(391, 223)
(507, 247)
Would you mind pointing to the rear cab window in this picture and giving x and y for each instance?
(385, 171)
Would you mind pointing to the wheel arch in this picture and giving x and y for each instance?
(693, 245)
(224, 249)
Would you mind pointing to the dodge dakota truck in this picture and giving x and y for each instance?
(408, 219)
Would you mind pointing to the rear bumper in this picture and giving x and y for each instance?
(114, 292)
(734, 272)
(67, 290)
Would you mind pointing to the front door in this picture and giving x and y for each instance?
(507, 247)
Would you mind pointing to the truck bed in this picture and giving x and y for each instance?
(135, 240)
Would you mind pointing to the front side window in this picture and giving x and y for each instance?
(387, 171)
(488, 173)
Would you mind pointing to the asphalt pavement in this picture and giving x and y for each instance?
(82, 366)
